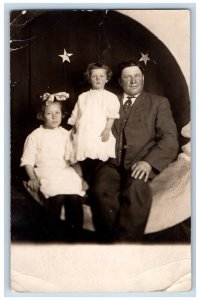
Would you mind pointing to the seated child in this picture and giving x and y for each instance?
(47, 169)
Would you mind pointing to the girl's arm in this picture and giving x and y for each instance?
(78, 170)
(106, 132)
(74, 114)
(33, 182)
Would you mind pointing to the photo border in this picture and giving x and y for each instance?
(85, 6)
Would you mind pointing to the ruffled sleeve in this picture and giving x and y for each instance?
(74, 115)
(113, 106)
(29, 152)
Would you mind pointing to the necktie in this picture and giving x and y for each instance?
(127, 105)
(122, 140)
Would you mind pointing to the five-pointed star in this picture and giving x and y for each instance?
(65, 56)
(144, 58)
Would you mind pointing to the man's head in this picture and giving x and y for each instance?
(131, 77)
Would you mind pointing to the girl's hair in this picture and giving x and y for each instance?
(94, 66)
(41, 110)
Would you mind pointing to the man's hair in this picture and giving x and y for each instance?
(94, 66)
(126, 64)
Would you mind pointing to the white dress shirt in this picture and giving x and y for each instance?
(132, 99)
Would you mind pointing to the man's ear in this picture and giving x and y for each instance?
(143, 79)
(120, 82)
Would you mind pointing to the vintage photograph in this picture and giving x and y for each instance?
(100, 136)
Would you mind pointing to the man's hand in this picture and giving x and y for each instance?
(141, 170)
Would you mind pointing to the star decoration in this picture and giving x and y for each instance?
(65, 56)
(144, 58)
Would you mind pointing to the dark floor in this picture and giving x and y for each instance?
(28, 224)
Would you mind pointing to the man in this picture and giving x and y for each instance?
(146, 142)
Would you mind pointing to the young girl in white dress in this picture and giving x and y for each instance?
(93, 117)
(48, 171)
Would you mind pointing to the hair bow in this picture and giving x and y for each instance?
(49, 98)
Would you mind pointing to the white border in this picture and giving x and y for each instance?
(4, 133)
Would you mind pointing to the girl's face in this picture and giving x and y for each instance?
(52, 116)
(98, 79)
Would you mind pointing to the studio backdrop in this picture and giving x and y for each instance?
(50, 51)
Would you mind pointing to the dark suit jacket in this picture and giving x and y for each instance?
(150, 132)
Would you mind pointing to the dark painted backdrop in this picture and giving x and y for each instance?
(38, 37)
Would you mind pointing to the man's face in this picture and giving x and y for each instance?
(132, 80)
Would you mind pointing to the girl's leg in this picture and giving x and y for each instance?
(88, 168)
(54, 225)
(53, 206)
(74, 215)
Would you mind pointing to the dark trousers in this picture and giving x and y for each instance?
(120, 204)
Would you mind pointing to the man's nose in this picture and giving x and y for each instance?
(53, 116)
(132, 79)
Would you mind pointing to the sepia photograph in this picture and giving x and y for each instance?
(100, 139)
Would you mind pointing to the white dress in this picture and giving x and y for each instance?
(89, 116)
(45, 149)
